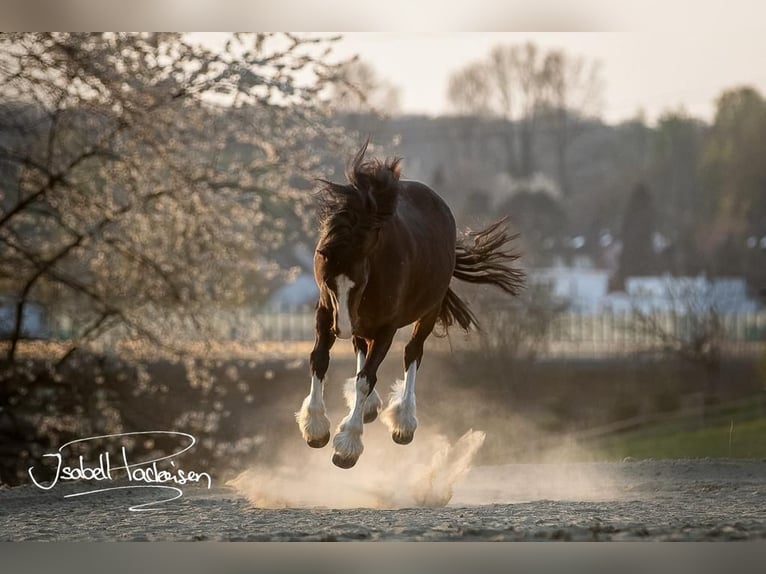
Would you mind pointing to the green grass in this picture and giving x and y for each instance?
(748, 440)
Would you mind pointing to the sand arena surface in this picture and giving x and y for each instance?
(632, 500)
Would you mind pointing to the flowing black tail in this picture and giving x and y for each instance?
(486, 261)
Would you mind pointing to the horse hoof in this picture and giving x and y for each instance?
(370, 416)
(319, 442)
(343, 462)
(402, 437)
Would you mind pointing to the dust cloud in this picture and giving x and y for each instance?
(510, 457)
(431, 471)
(387, 475)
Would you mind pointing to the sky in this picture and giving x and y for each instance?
(641, 71)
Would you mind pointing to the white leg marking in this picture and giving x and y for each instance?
(373, 403)
(372, 406)
(344, 285)
(348, 442)
(360, 359)
(399, 415)
(311, 418)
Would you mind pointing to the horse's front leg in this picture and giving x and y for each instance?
(312, 420)
(347, 443)
(373, 403)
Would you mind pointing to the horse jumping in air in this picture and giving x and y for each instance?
(386, 254)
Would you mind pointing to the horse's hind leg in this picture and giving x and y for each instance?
(311, 418)
(373, 403)
(347, 444)
(400, 416)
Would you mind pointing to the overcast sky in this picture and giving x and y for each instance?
(645, 71)
(651, 72)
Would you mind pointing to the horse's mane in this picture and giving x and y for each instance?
(349, 213)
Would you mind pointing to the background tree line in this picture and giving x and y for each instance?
(681, 196)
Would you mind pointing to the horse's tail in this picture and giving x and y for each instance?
(454, 310)
(486, 261)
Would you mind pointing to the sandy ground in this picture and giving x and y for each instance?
(630, 500)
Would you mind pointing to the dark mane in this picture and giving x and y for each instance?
(349, 213)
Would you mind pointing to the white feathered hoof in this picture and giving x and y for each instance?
(403, 436)
(399, 416)
(347, 446)
(314, 425)
(343, 462)
(372, 407)
(318, 442)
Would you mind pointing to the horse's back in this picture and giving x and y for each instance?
(415, 260)
(419, 204)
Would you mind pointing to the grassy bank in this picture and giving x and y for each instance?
(723, 433)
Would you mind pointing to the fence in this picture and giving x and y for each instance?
(558, 335)
(629, 332)
(572, 333)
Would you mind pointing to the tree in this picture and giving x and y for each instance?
(734, 175)
(573, 92)
(476, 206)
(637, 257)
(148, 178)
(147, 183)
(357, 88)
(527, 87)
(691, 329)
(677, 144)
(541, 221)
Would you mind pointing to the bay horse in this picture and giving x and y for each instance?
(387, 252)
